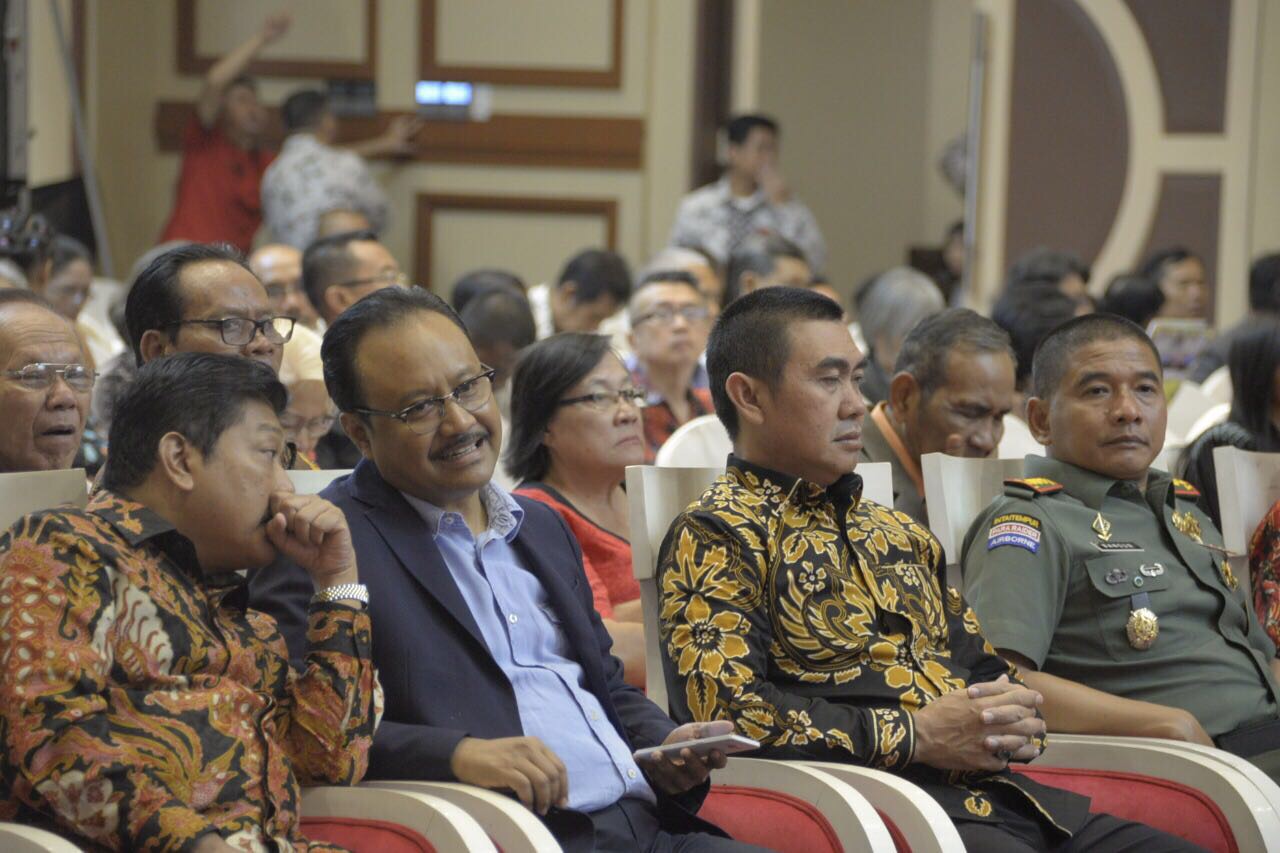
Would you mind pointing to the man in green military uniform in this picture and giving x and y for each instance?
(1101, 580)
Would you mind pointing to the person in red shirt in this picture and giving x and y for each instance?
(223, 156)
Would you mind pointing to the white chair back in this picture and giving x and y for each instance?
(1214, 415)
(30, 491)
(1188, 405)
(656, 496)
(957, 490)
(315, 482)
(1017, 441)
(1248, 484)
(1217, 385)
(701, 443)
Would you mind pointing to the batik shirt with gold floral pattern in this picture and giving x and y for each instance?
(141, 705)
(818, 623)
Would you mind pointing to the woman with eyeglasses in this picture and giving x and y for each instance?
(575, 427)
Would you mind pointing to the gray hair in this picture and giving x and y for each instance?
(895, 301)
(925, 350)
(674, 258)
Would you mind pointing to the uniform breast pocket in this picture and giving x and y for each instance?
(1115, 580)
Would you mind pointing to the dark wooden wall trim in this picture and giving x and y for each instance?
(713, 79)
(189, 62)
(429, 203)
(430, 69)
(504, 140)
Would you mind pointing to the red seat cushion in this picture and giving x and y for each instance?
(360, 835)
(770, 819)
(1165, 805)
(899, 840)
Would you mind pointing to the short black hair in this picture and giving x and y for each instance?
(478, 282)
(328, 261)
(155, 299)
(544, 373)
(378, 310)
(198, 395)
(1055, 352)
(245, 80)
(1157, 262)
(760, 256)
(752, 336)
(1028, 314)
(64, 250)
(1045, 266)
(597, 273)
(1134, 297)
(302, 110)
(740, 126)
(1264, 283)
(926, 347)
(499, 316)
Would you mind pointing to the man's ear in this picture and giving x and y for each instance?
(336, 299)
(357, 429)
(745, 393)
(904, 395)
(154, 343)
(1038, 420)
(178, 460)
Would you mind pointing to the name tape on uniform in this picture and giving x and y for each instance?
(1016, 529)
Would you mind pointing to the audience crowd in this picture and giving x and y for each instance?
(179, 656)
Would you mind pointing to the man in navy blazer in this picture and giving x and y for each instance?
(495, 665)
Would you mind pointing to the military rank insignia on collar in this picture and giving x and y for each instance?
(1036, 485)
(1183, 489)
(1016, 529)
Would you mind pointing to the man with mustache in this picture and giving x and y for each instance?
(498, 667)
(953, 383)
(1101, 580)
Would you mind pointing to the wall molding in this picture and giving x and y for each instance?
(582, 142)
(431, 69)
(189, 62)
(429, 203)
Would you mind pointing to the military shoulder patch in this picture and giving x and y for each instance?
(1015, 487)
(1183, 489)
(1016, 529)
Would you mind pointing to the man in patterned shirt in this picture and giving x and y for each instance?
(819, 623)
(751, 199)
(141, 705)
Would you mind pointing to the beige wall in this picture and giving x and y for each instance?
(867, 93)
(135, 50)
(51, 157)
(1265, 226)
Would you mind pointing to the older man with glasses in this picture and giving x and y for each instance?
(44, 385)
(670, 321)
(197, 298)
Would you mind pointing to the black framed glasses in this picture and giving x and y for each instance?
(666, 314)
(603, 401)
(290, 456)
(424, 416)
(41, 376)
(238, 331)
(394, 279)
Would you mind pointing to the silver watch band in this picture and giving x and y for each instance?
(343, 591)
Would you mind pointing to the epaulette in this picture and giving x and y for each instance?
(1014, 487)
(1183, 489)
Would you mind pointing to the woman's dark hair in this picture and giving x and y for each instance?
(481, 282)
(1195, 464)
(1253, 361)
(1135, 297)
(1157, 262)
(1029, 314)
(545, 372)
(24, 238)
(66, 250)
(197, 395)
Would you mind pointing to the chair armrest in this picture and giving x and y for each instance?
(510, 825)
(443, 824)
(919, 818)
(1247, 797)
(16, 838)
(853, 818)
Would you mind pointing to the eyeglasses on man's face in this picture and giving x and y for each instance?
(41, 376)
(666, 314)
(316, 426)
(424, 417)
(238, 331)
(603, 401)
(390, 278)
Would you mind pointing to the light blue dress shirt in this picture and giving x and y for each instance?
(525, 637)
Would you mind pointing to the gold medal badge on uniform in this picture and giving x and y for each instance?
(1102, 527)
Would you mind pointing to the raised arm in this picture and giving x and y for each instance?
(231, 66)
